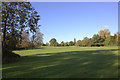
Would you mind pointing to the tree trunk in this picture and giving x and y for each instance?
(4, 36)
(4, 42)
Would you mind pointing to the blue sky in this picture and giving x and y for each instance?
(68, 20)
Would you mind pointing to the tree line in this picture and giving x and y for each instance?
(103, 38)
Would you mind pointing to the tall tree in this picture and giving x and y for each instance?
(74, 41)
(16, 17)
(107, 33)
(37, 38)
(102, 34)
(107, 37)
(85, 41)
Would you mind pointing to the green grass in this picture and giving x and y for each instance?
(64, 62)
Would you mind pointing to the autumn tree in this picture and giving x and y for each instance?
(101, 34)
(78, 43)
(62, 43)
(105, 34)
(107, 37)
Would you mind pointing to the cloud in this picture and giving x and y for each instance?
(106, 26)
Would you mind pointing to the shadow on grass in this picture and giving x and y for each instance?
(36, 48)
(73, 64)
(30, 48)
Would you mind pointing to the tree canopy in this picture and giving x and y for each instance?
(19, 19)
(16, 18)
(53, 42)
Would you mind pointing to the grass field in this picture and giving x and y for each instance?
(64, 62)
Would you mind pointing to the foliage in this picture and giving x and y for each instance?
(103, 38)
(104, 33)
(56, 44)
(78, 43)
(71, 43)
(62, 43)
(16, 18)
(36, 38)
(53, 42)
(66, 44)
(97, 39)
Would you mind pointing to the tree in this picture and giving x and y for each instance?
(47, 44)
(56, 44)
(113, 41)
(11, 41)
(107, 33)
(118, 38)
(16, 17)
(38, 40)
(53, 42)
(66, 44)
(107, 37)
(42, 44)
(102, 34)
(71, 43)
(78, 43)
(25, 40)
(74, 41)
(62, 43)
(97, 39)
(90, 42)
(85, 41)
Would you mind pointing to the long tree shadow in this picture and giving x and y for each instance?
(30, 48)
(73, 64)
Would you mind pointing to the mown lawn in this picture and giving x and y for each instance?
(64, 62)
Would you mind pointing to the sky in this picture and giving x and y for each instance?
(68, 20)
